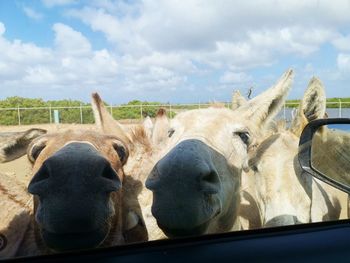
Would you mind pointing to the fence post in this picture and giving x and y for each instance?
(111, 110)
(81, 114)
(170, 110)
(56, 116)
(50, 112)
(199, 104)
(18, 115)
(339, 108)
(141, 113)
(284, 112)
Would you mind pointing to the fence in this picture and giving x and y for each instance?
(83, 114)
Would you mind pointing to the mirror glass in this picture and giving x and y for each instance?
(330, 152)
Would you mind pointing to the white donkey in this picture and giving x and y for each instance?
(283, 193)
(196, 183)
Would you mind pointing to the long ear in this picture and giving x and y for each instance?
(148, 127)
(161, 127)
(104, 120)
(266, 106)
(312, 106)
(14, 145)
(237, 100)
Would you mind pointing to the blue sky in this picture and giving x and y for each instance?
(170, 51)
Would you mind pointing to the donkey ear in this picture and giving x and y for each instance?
(104, 120)
(237, 100)
(148, 126)
(14, 145)
(266, 106)
(160, 128)
(312, 106)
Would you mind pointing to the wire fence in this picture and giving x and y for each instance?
(84, 115)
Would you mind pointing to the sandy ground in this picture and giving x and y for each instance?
(49, 127)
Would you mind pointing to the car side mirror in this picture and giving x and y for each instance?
(324, 151)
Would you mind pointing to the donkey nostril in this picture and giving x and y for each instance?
(210, 182)
(109, 172)
(211, 177)
(38, 183)
(42, 174)
(152, 179)
(113, 182)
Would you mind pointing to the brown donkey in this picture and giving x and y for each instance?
(81, 195)
(143, 155)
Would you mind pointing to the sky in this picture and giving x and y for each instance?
(170, 51)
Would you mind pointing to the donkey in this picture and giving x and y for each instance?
(143, 154)
(160, 129)
(81, 195)
(15, 213)
(196, 183)
(237, 100)
(284, 194)
(330, 153)
(148, 126)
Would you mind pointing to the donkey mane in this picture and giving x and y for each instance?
(139, 136)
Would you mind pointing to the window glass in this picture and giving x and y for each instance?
(130, 121)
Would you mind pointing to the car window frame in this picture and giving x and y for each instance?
(167, 248)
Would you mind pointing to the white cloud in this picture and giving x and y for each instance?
(176, 62)
(2, 29)
(22, 53)
(153, 46)
(154, 79)
(53, 3)
(69, 41)
(73, 66)
(70, 64)
(219, 33)
(299, 40)
(235, 78)
(342, 43)
(121, 32)
(31, 13)
(39, 75)
(343, 62)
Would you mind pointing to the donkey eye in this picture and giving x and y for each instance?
(122, 152)
(34, 151)
(171, 132)
(255, 168)
(244, 136)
